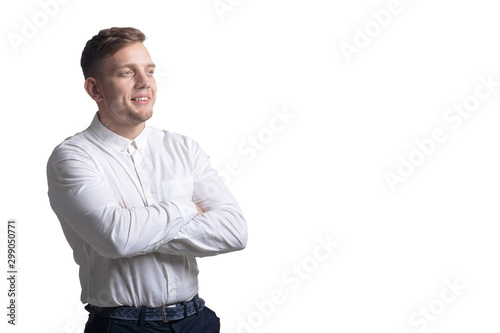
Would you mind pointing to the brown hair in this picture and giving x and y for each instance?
(106, 43)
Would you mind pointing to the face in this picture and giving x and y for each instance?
(125, 88)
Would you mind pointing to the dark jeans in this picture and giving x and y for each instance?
(205, 321)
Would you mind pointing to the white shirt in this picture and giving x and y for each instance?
(126, 208)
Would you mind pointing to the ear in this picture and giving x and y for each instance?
(92, 88)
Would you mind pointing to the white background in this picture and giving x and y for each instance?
(321, 177)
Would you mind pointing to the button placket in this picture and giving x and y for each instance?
(136, 155)
(167, 265)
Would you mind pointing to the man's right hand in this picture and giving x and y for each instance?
(200, 211)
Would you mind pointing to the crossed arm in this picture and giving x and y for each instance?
(209, 223)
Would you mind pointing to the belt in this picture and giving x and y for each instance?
(165, 313)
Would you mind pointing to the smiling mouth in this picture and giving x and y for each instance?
(138, 99)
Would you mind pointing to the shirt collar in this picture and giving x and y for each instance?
(118, 142)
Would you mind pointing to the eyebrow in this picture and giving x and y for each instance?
(134, 65)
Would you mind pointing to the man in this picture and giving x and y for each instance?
(138, 204)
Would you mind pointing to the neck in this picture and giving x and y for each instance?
(129, 131)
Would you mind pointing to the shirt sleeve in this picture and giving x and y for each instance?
(221, 228)
(84, 201)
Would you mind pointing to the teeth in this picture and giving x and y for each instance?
(142, 98)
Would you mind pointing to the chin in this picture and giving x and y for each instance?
(140, 117)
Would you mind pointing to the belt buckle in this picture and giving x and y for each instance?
(164, 314)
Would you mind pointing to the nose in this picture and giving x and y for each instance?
(143, 80)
